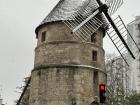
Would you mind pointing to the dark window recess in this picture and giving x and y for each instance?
(94, 55)
(95, 79)
(39, 73)
(93, 38)
(73, 101)
(43, 36)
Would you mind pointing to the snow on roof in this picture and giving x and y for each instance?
(65, 8)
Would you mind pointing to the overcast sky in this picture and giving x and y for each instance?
(18, 20)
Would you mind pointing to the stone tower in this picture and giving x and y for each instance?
(66, 71)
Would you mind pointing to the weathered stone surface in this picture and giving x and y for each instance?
(62, 85)
(64, 72)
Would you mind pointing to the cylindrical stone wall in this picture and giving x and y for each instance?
(64, 71)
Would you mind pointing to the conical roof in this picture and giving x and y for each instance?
(65, 8)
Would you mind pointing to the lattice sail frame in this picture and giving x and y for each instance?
(84, 23)
(84, 29)
(84, 32)
(113, 5)
(125, 34)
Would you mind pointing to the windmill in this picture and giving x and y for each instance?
(84, 26)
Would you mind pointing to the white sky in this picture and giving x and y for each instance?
(18, 20)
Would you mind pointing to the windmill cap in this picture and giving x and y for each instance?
(65, 8)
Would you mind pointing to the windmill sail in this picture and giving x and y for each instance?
(116, 31)
(113, 5)
(116, 39)
(84, 22)
(83, 26)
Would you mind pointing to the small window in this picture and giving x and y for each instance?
(43, 36)
(95, 78)
(93, 38)
(94, 55)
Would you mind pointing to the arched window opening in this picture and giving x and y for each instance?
(43, 37)
(94, 55)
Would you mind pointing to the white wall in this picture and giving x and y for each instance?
(134, 64)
